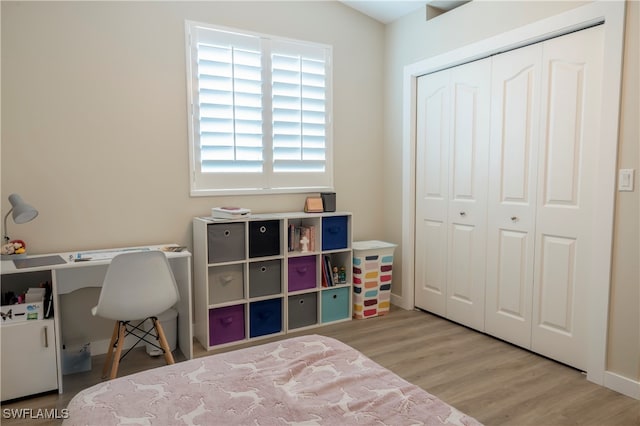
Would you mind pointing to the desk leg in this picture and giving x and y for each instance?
(58, 327)
(182, 272)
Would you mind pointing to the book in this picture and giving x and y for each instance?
(331, 280)
(297, 233)
(229, 212)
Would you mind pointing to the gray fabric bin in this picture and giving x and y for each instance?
(303, 310)
(226, 283)
(265, 278)
(226, 242)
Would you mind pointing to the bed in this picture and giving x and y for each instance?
(307, 380)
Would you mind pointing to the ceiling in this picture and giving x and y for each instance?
(387, 11)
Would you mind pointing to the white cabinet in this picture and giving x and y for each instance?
(27, 346)
(254, 278)
(28, 358)
(508, 251)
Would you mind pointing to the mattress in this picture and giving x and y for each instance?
(308, 380)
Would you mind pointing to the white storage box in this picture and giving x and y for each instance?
(372, 268)
(22, 312)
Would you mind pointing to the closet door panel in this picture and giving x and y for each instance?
(462, 284)
(431, 275)
(516, 87)
(572, 77)
(557, 284)
(468, 163)
(432, 171)
(513, 290)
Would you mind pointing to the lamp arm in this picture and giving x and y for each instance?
(6, 236)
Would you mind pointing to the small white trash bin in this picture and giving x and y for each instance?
(169, 321)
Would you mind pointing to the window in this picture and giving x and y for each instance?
(259, 113)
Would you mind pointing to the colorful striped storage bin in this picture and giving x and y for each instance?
(372, 268)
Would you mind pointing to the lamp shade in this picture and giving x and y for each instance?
(22, 212)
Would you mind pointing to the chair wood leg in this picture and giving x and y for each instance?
(109, 359)
(116, 360)
(168, 356)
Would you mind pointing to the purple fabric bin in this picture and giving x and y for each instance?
(226, 324)
(302, 273)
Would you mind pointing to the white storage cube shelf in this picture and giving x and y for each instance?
(254, 278)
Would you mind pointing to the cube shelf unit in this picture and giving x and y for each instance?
(253, 280)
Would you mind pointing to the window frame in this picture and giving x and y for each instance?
(268, 181)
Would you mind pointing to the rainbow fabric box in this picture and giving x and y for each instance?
(372, 270)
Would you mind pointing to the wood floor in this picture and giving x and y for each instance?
(493, 381)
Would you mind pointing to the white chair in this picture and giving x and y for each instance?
(137, 285)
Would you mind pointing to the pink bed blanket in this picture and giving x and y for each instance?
(309, 380)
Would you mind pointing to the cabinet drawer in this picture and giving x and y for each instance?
(226, 283)
(264, 238)
(335, 304)
(265, 317)
(335, 234)
(225, 242)
(265, 278)
(303, 310)
(302, 273)
(226, 324)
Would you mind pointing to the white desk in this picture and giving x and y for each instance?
(71, 275)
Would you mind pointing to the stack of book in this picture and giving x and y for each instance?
(229, 212)
(301, 236)
(331, 275)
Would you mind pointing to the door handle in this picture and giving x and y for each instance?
(46, 337)
(514, 219)
(463, 214)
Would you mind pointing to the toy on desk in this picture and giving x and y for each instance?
(14, 247)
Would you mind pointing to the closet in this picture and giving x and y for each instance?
(505, 162)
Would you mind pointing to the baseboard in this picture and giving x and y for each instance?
(624, 385)
(99, 347)
(399, 302)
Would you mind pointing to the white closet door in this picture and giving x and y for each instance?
(468, 168)
(451, 184)
(432, 168)
(572, 77)
(515, 106)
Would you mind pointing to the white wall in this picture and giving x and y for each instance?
(412, 39)
(94, 116)
(94, 122)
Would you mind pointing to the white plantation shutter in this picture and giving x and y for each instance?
(230, 94)
(299, 108)
(259, 113)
